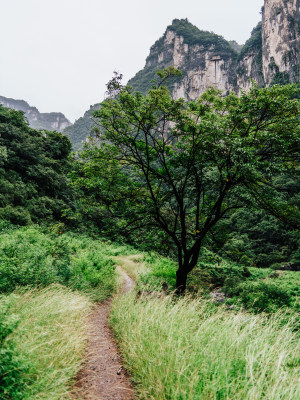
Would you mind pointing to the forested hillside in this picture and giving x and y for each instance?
(33, 168)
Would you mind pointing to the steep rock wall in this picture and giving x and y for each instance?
(206, 59)
(281, 41)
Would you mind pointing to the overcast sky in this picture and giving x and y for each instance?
(58, 54)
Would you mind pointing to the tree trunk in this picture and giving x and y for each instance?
(181, 277)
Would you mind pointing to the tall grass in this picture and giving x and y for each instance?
(192, 350)
(46, 344)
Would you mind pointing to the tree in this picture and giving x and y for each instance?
(192, 163)
(33, 166)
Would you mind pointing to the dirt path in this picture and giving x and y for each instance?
(102, 377)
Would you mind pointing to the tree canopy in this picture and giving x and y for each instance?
(190, 164)
(33, 165)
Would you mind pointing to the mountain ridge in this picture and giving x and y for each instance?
(37, 120)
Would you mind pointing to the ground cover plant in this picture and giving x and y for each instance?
(41, 343)
(191, 349)
(30, 256)
(48, 280)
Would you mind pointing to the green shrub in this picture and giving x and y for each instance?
(263, 296)
(30, 257)
(15, 215)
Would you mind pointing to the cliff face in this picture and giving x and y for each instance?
(271, 55)
(281, 41)
(249, 66)
(49, 121)
(206, 59)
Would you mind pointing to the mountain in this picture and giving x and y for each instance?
(48, 121)
(271, 55)
(82, 128)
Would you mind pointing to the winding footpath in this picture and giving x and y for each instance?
(102, 376)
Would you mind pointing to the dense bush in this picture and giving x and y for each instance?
(263, 296)
(30, 257)
(33, 166)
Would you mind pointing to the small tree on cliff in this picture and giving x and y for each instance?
(191, 163)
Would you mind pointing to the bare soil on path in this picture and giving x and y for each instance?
(102, 376)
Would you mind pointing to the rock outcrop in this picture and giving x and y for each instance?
(271, 55)
(281, 41)
(49, 121)
(206, 59)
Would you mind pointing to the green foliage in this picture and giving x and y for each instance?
(252, 237)
(188, 166)
(254, 44)
(263, 296)
(257, 289)
(81, 129)
(29, 257)
(159, 269)
(33, 165)
(192, 35)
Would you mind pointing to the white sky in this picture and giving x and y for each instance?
(58, 54)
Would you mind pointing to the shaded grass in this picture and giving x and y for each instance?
(193, 350)
(132, 264)
(49, 339)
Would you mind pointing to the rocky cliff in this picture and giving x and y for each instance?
(271, 55)
(206, 59)
(281, 41)
(49, 121)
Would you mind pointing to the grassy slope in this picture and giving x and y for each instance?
(47, 343)
(191, 349)
(194, 349)
(42, 325)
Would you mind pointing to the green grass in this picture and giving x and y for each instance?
(44, 349)
(193, 350)
(47, 280)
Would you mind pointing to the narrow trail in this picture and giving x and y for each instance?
(102, 376)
